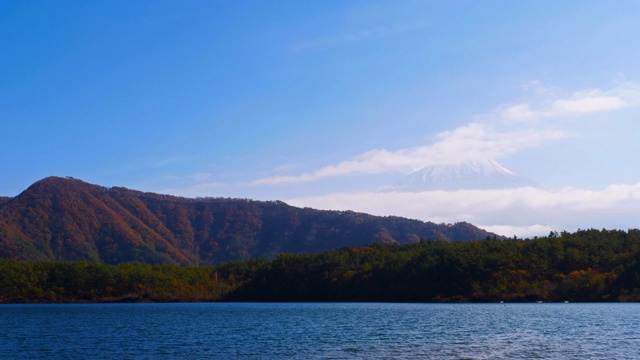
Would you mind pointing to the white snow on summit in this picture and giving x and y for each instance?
(471, 174)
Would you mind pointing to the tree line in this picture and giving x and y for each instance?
(587, 265)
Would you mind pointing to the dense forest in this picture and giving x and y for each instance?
(588, 265)
(65, 219)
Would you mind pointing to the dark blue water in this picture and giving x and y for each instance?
(320, 331)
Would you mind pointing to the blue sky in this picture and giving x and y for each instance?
(321, 103)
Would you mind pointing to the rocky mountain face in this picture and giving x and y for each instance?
(67, 219)
(478, 174)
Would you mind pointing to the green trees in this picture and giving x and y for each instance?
(588, 265)
(22, 282)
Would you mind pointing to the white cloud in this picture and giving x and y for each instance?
(474, 141)
(585, 103)
(519, 112)
(549, 105)
(523, 211)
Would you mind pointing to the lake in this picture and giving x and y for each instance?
(320, 331)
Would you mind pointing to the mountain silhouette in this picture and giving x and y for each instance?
(67, 219)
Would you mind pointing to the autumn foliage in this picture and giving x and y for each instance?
(66, 219)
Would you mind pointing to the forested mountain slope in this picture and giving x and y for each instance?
(68, 219)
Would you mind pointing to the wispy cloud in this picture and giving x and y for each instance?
(285, 168)
(195, 190)
(190, 177)
(201, 176)
(346, 38)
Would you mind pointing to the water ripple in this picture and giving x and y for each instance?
(321, 331)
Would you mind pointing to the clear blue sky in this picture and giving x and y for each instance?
(321, 103)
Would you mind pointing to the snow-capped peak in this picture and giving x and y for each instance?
(470, 174)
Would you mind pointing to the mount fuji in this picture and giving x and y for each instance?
(470, 174)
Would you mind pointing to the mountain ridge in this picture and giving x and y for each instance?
(66, 219)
